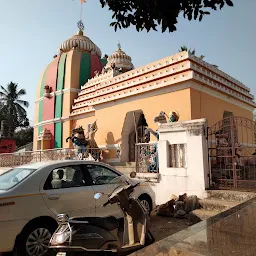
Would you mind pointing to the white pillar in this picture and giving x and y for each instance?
(185, 143)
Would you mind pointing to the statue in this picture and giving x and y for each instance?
(48, 91)
(86, 144)
(94, 149)
(153, 163)
(173, 117)
(222, 147)
(238, 154)
(160, 119)
(79, 142)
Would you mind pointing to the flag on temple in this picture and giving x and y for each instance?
(83, 1)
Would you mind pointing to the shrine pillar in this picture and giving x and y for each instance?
(183, 160)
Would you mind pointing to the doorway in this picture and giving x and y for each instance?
(133, 132)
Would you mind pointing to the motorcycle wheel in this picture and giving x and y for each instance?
(149, 239)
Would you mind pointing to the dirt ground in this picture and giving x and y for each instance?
(162, 227)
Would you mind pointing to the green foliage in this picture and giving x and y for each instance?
(185, 48)
(149, 14)
(193, 52)
(12, 108)
(24, 136)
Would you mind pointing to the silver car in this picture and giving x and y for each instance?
(32, 195)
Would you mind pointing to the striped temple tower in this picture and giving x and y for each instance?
(77, 61)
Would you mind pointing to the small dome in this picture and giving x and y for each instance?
(82, 43)
(120, 59)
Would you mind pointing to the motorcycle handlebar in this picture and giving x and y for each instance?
(134, 186)
(104, 205)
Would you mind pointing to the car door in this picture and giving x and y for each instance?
(101, 177)
(68, 190)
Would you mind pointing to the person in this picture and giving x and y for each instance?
(60, 173)
(57, 182)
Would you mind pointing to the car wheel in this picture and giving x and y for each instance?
(146, 202)
(34, 240)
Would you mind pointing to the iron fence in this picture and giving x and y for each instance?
(17, 159)
(146, 157)
(232, 155)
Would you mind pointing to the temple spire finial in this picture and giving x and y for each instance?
(80, 23)
(119, 46)
(80, 26)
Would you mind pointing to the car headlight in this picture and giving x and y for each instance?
(60, 238)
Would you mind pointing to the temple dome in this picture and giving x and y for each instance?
(80, 42)
(120, 59)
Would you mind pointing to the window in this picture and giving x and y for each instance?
(13, 177)
(101, 175)
(177, 156)
(66, 177)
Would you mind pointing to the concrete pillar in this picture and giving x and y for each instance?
(183, 159)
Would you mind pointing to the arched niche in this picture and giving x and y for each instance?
(134, 121)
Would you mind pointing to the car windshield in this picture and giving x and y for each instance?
(13, 177)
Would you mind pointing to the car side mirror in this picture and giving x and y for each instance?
(97, 196)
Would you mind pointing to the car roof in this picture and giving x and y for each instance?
(37, 165)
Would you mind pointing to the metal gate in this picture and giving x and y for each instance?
(232, 155)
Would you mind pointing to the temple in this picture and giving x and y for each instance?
(79, 87)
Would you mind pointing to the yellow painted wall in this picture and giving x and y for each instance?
(111, 118)
(207, 106)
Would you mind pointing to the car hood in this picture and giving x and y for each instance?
(134, 181)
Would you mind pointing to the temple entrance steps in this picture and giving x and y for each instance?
(125, 167)
(218, 201)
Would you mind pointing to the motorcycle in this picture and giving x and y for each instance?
(93, 235)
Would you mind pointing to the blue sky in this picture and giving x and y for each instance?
(32, 30)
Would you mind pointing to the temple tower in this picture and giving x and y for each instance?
(78, 60)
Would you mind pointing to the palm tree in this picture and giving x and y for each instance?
(12, 108)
